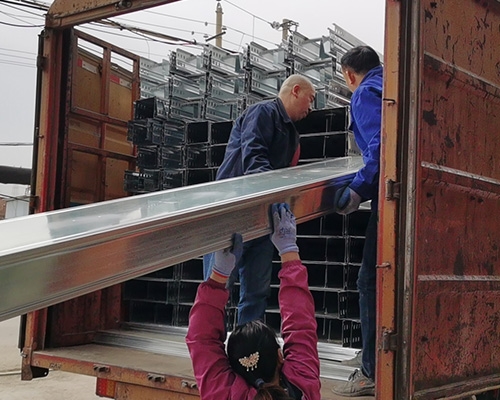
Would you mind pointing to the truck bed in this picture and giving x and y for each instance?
(145, 361)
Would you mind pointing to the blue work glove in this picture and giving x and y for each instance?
(346, 200)
(225, 260)
(284, 234)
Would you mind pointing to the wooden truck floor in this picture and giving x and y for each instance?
(143, 370)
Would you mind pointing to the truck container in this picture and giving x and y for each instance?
(438, 253)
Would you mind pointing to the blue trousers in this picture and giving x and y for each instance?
(254, 273)
(367, 298)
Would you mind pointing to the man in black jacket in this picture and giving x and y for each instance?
(263, 138)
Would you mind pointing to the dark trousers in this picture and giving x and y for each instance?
(367, 297)
(254, 273)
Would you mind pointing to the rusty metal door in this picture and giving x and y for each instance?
(87, 91)
(447, 247)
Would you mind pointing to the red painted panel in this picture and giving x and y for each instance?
(458, 331)
(454, 242)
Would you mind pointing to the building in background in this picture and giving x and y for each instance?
(15, 203)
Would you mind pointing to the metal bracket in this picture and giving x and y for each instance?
(123, 4)
(187, 384)
(38, 372)
(41, 62)
(392, 190)
(156, 378)
(389, 341)
(101, 368)
(384, 265)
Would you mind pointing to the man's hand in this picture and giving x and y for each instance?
(284, 234)
(225, 260)
(346, 200)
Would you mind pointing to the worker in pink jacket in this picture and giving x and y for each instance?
(255, 367)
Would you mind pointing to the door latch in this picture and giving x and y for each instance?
(389, 341)
(392, 190)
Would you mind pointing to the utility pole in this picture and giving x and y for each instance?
(285, 25)
(218, 25)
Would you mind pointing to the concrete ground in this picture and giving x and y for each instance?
(56, 386)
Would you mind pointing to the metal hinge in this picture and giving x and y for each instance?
(101, 368)
(389, 341)
(41, 61)
(34, 202)
(392, 190)
(156, 378)
(187, 384)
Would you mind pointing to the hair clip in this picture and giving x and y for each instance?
(250, 362)
(259, 383)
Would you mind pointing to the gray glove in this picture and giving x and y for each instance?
(346, 200)
(284, 234)
(225, 260)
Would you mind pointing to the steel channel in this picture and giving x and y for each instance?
(51, 257)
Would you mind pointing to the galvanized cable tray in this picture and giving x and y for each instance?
(55, 256)
(171, 342)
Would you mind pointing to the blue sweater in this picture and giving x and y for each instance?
(366, 113)
(263, 138)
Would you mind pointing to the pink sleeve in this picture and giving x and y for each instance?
(205, 341)
(298, 330)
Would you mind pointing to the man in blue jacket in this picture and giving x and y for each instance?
(363, 74)
(263, 138)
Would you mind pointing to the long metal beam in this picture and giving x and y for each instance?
(55, 256)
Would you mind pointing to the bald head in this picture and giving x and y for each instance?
(297, 94)
(293, 80)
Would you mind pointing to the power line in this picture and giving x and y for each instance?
(35, 3)
(15, 197)
(29, 4)
(21, 26)
(7, 62)
(146, 33)
(18, 51)
(163, 26)
(20, 9)
(127, 37)
(37, 17)
(248, 12)
(14, 56)
(15, 144)
(27, 24)
(182, 18)
(205, 23)
(156, 25)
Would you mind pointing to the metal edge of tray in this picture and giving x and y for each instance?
(51, 257)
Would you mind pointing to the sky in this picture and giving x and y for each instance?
(185, 19)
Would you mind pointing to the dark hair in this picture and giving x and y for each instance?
(249, 339)
(360, 59)
(271, 393)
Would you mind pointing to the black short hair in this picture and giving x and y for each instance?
(360, 59)
(245, 340)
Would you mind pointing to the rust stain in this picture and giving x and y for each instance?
(459, 264)
(458, 133)
(448, 142)
(488, 266)
(430, 117)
